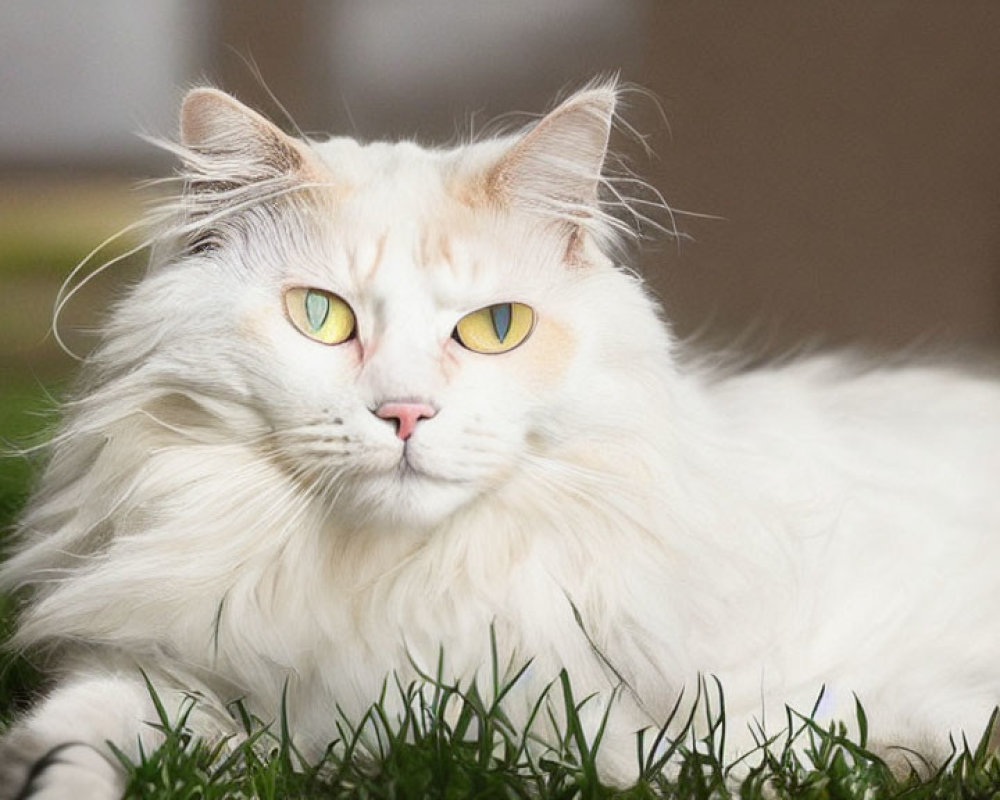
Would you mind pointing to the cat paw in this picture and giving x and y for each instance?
(70, 771)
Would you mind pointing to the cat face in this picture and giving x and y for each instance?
(407, 322)
(397, 277)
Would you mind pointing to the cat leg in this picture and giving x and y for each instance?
(60, 752)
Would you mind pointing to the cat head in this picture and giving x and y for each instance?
(405, 330)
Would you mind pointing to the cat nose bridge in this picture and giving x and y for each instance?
(399, 368)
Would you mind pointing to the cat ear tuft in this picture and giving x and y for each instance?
(216, 126)
(557, 165)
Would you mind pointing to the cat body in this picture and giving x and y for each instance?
(236, 508)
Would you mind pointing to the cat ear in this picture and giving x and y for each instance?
(557, 165)
(233, 138)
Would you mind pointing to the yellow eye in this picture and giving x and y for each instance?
(320, 315)
(495, 329)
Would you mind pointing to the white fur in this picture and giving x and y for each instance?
(222, 509)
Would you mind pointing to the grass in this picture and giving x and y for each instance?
(449, 743)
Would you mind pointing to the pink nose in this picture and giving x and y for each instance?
(406, 416)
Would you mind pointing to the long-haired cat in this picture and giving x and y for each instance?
(372, 402)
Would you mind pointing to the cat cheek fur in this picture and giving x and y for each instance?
(553, 348)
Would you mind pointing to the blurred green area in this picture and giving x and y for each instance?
(27, 412)
(23, 421)
(47, 226)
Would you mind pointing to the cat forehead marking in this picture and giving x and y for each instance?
(399, 260)
(366, 274)
(407, 202)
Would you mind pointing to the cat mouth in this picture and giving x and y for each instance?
(409, 471)
(406, 470)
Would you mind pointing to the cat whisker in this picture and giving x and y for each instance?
(322, 474)
(468, 470)
(562, 475)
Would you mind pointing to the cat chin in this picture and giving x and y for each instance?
(408, 500)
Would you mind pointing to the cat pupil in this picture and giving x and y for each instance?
(317, 308)
(500, 314)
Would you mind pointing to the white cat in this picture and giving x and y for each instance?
(371, 400)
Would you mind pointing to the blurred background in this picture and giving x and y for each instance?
(841, 161)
